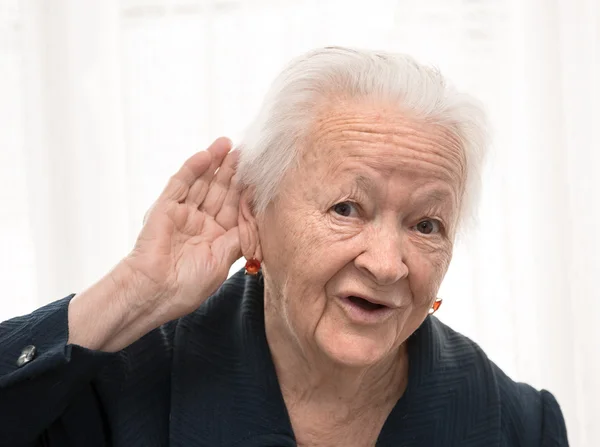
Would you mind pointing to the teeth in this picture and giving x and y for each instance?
(367, 305)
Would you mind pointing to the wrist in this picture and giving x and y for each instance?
(114, 312)
(136, 294)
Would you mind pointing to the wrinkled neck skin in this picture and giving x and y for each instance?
(309, 379)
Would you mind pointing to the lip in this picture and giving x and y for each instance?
(371, 299)
(362, 316)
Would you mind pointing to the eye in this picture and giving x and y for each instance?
(428, 226)
(345, 209)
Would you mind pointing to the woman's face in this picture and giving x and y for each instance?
(360, 236)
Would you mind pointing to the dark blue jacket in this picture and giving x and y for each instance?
(208, 380)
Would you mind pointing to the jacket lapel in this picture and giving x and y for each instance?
(452, 396)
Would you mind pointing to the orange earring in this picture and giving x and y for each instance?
(436, 305)
(252, 267)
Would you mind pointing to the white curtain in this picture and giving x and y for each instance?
(100, 101)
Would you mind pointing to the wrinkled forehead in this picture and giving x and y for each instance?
(385, 140)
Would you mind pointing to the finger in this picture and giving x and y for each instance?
(180, 183)
(227, 216)
(220, 185)
(199, 189)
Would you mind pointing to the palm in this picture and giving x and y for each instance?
(197, 244)
(190, 237)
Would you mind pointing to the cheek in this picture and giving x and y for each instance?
(426, 272)
(301, 257)
(293, 252)
(302, 240)
(308, 242)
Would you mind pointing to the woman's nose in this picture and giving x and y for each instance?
(383, 259)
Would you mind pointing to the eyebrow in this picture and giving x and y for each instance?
(363, 183)
(433, 196)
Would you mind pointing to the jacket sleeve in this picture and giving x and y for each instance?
(37, 389)
(554, 431)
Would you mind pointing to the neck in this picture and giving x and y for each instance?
(309, 378)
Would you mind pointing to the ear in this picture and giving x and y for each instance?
(248, 228)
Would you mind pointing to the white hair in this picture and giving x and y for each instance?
(273, 139)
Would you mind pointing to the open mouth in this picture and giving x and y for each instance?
(364, 304)
(362, 311)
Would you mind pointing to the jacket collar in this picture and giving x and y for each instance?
(225, 390)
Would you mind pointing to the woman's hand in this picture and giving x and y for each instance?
(183, 254)
(190, 237)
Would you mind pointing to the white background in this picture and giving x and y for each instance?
(100, 101)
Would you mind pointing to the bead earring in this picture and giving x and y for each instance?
(252, 267)
(436, 305)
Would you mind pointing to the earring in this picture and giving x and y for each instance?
(252, 267)
(436, 305)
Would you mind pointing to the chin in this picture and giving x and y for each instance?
(352, 349)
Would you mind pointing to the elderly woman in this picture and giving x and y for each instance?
(345, 197)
